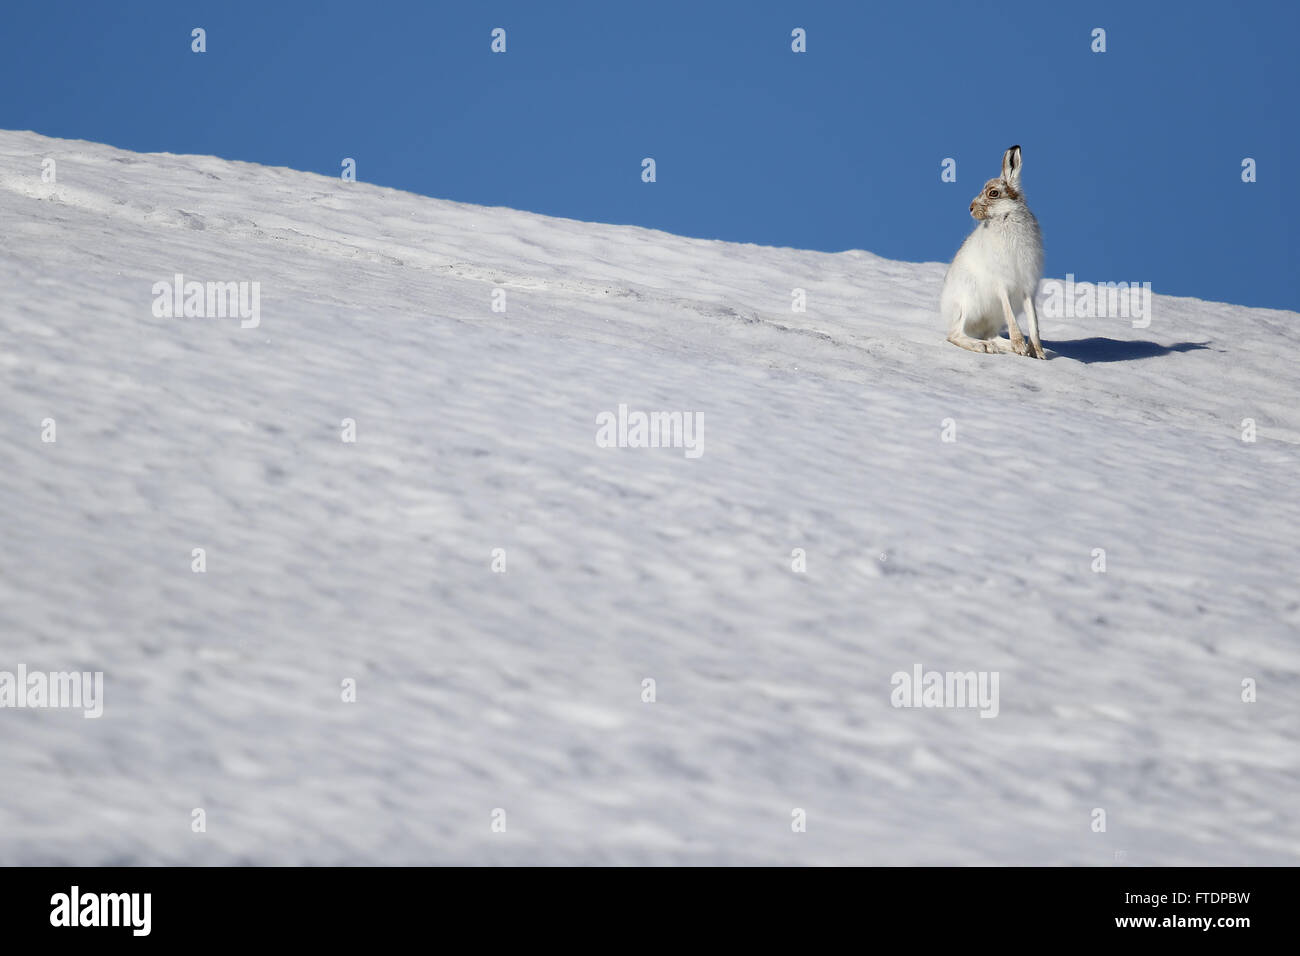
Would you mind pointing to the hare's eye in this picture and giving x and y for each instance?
(993, 194)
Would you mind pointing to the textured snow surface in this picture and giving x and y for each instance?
(476, 430)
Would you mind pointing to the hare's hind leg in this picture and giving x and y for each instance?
(1036, 344)
(978, 345)
(1017, 337)
(957, 336)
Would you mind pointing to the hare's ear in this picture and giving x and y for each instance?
(1011, 165)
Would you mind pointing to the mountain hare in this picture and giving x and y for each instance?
(998, 264)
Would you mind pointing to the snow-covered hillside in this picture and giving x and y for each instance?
(476, 430)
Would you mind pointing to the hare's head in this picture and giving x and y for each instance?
(1002, 194)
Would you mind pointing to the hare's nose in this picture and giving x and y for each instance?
(972, 205)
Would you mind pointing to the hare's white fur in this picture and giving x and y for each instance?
(996, 269)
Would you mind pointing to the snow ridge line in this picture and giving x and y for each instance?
(97, 203)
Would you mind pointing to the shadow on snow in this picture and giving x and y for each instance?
(1100, 349)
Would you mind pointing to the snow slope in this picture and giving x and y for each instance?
(522, 690)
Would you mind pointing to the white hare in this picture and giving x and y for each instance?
(998, 266)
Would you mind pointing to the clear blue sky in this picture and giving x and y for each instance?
(1132, 157)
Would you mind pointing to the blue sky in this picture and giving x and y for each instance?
(1132, 156)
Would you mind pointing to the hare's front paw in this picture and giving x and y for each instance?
(1037, 351)
(1022, 347)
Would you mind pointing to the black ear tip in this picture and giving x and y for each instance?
(1014, 148)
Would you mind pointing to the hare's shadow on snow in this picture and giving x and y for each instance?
(1101, 349)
